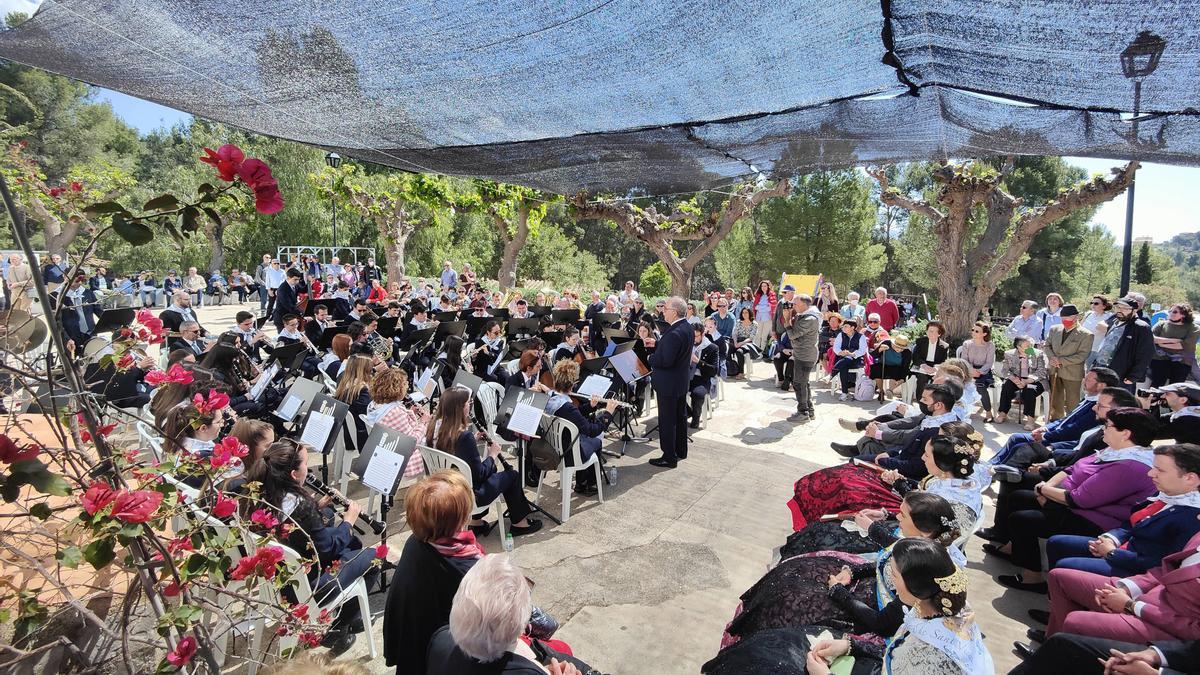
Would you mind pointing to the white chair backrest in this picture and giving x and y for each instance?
(188, 493)
(563, 436)
(511, 366)
(489, 396)
(151, 440)
(436, 460)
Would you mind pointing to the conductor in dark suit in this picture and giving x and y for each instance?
(285, 297)
(671, 363)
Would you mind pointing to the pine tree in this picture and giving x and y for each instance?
(1143, 271)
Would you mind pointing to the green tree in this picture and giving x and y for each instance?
(516, 212)
(1097, 261)
(553, 257)
(1143, 271)
(824, 226)
(655, 281)
(733, 257)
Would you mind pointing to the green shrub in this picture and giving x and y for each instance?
(655, 281)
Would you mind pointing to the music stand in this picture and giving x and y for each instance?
(330, 304)
(446, 317)
(289, 357)
(475, 325)
(606, 320)
(500, 313)
(324, 410)
(261, 321)
(447, 328)
(625, 344)
(514, 395)
(593, 366)
(328, 334)
(552, 338)
(417, 337)
(380, 467)
(629, 369)
(523, 326)
(564, 316)
(386, 326)
(468, 380)
(540, 310)
(114, 319)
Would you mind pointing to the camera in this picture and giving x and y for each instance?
(1146, 393)
(785, 305)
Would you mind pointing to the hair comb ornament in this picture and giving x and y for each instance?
(955, 582)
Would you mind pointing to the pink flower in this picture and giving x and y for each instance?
(268, 199)
(234, 447)
(144, 315)
(216, 401)
(300, 612)
(179, 545)
(98, 496)
(183, 652)
(219, 458)
(136, 506)
(55, 192)
(264, 518)
(257, 176)
(381, 551)
(224, 507)
(125, 362)
(86, 435)
(176, 375)
(171, 590)
(264, 563)
(227, 159)
(311, 639)
(11, 452)
(76, 186)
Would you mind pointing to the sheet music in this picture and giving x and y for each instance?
(595, 385)
(424, 379)
(525, 420)
(317, 429)
(264, 381)
(287, 410)
(383, 468)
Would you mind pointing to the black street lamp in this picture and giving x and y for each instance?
(334, 160)
(1138, 61)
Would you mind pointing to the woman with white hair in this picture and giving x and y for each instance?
(490, 611)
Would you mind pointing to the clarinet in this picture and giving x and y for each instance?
(313, 483)
(482, 435)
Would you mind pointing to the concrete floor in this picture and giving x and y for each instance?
(647, 581)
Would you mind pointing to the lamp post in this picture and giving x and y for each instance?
(334, 160)
(1138, 61)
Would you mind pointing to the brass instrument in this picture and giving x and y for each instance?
(380, 347)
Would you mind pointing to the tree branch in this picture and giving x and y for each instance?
(892, 197)
(741, 203)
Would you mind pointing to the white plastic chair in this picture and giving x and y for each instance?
(355, 592)
(436, 460)
(563, 436)
(148, 438)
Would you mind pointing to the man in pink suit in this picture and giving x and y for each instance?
(1161, 604)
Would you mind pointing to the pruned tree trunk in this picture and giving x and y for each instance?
(659, 231)
(968, 275)
(513, 240)
(56, 233)
(395, 240)
(216, 239)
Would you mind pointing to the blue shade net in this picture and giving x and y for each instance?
(651, 96)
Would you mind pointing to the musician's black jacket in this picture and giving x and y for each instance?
(313, 330)
(119, 388)
(707, 367)
(285, 303)
(328, 539)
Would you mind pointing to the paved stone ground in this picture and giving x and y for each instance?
(647, 581)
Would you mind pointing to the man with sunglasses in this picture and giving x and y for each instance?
(1128, 345)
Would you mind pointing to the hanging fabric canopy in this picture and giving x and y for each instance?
(651, 96)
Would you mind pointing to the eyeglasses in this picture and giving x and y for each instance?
(1097, 304)
(873, 321)
(976, 330)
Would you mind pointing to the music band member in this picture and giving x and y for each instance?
(189, 340)
(671, 363)
(529, 369)
(249, 339)
(569, 347)
(566, 373)
(316, 327)
(490, 350)
(703, 369)
(287, 297)
(521, 310)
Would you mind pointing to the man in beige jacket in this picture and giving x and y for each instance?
(20, 282)
(1067, 347)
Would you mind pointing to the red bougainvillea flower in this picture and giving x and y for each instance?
(219, 458)
(311, 640)
(125, 362)
(98, 496)
(180, 545)
(381, 551)
(136, 506)
(171, 590)
(87, 435)
(234, 447)
(144, 315)
(176, 375)
(300, 612)
(227, 159)
(215, 401)
(224, 506)
(268, 199)
(55, 192)
(183, 652)
(264, 563)
(76, 186)
(264, 518)
(11, 452)
(257, 176)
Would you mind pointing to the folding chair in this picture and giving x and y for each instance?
(563, 436)
(436, 460)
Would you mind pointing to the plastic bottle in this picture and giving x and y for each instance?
(612, 475)
(508, 542)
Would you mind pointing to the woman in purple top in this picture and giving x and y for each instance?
(1093, 496)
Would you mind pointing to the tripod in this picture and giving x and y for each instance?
(626, 426)
(522, 456)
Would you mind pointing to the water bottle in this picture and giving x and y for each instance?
(508, 542)
(612, 475)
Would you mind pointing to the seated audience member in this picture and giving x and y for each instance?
(887, 441)
(705, 359)
(388, 408)
(849, 354)
(830, 330)
(122, 388)
(281, 472)
(1089, 498)
(451, 433)
(928, 351)
(893, 359)
(1157, 527)
(191, 429)
(1062, 433)
(745, 335)
(1182, 420)
(1083, 655)
(1024, 371)
(488, 616)
(784, 364)
(938, 634)
(189, 340)
(566, 373)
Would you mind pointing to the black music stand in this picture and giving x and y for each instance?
(261, 321)
(564, 316)
(447, 328)
(475, 325)
(328, 334)
(325, 405)
(629, 369)
(380, 468)
(512, 396)
(527, 327)
(386, 326)
(289, 357)
(540, 310)
(446, 317)
(114, 319)
(500, 313)
(468, 380)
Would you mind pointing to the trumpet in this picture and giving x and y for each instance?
(316, 485)
(606, 401)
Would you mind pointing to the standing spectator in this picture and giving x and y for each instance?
(1128, 345)
(260, 278)
(1025, 373)
(195, 285)
(928, 351)
(467, 278)
(275, 277)
(1050, 314)
(1096, 322)
(311, 266)
(827, 301)
(980, 353)
(1174, 346)
(885, 307)
(449, 276)
(744, 299)
(628, 295)
(853, 310)
(764, 312)
(1027, 324)
(1067, 347)
(54, 273)
(802, 323)
(371, 272)
(19, 278)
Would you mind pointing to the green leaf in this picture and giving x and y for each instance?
(212, 214)
(129, 531)
(99, 553)
(41, 511)
(161, 203)
(50, 484)
(26, 467)
(101, 208)
(70, 556)
(187, 219)
(205, 188)
(133, 231)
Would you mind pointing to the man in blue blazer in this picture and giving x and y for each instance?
(286, 297)
(1063, 433)
(671, 362)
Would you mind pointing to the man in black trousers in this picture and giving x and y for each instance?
(671, 363)
(1078, 654)
(286, 297)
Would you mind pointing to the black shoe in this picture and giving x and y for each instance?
(664, 463)
(1036, 634)
(532, 479)
(1022, 650)
(994, 550)
(1040, 615)
(482, 530)
(533, 526)
(694, 424)
(338, 641)
(1014, 581)
(586, 490)
(990, 534)
(845, 449)
(357, 626)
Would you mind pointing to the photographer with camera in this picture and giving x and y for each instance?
(802, 322)
(1177, 407)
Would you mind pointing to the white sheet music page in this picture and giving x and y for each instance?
(382, 470)
(525, 420)
(317, 429)
(595, 385)
(264, 381)
(287, 409)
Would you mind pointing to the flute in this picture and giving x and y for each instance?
(315, 484)
(620, 404)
